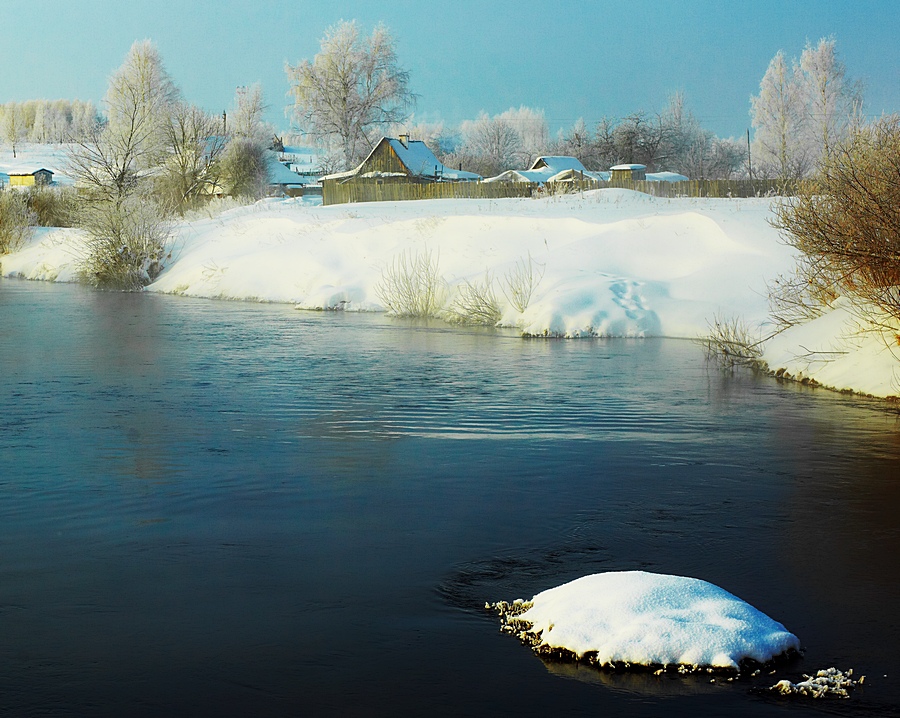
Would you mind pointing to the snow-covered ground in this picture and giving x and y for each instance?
(611, 263)
(648, 619)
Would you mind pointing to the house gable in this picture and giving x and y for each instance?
(557, 163)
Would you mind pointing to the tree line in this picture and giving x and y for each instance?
(46, 121)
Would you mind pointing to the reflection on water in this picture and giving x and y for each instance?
(222, 508)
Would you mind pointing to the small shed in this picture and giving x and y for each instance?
(628, 172)
(28, 177)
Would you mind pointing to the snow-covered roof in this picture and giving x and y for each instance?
(557, 163)
(24, 171)
(302, 160)
(545, 169)
(629, 167)
(537, 176)
(279, 174)
(666, 177)
(572, 174)
(421, 161)
(548, 173)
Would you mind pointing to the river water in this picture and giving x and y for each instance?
(222, 508)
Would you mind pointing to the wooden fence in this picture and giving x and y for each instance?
(334, 193)
(710, 188)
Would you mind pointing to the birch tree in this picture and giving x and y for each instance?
(127, 228)
(111, 158)
(351, 90)
(779, 120)
(831, 98)
(195, 145)
(803, 110)
(12, 124)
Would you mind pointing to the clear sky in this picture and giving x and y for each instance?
(586, 58)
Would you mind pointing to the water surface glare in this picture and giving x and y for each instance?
(222, 508)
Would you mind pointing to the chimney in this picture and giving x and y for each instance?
(404, 140)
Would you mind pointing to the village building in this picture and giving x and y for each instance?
(30, 177)
(401, 160)
(628, 172)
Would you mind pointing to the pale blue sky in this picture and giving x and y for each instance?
(572, 59)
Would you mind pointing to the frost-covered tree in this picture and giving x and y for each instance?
(114, 164)
(779, 119)
(12, 124)
(46, 121)
(640, 138)
(246, 117)
(245, 171)
(803, 110)
(534, 134)
(352, 90)
(489, 145)
(192, 168)
(831, 98)
(139, 103)
(140, 100)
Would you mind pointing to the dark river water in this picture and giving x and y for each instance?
(235, 509)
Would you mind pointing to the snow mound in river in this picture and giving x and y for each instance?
(639, 618)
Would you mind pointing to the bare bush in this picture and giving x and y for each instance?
(16, 221)
(476, 303)
(126, 245)
(847, 223)
(731, 342)
(412, 286)
(53, 206)
(520, 282)
(801, 296)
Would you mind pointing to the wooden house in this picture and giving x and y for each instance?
(628, 172)
(394, 160)
(30, 177)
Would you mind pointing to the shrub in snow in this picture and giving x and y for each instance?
(731, 343)
(52, 206)
(520, 282)
(634, 618)
(16, 221)
(476, 303)
(412, 286)
(126, 243)
(846, 223)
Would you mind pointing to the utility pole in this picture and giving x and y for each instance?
(749, 161)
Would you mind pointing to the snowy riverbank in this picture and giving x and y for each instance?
(613, 263)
